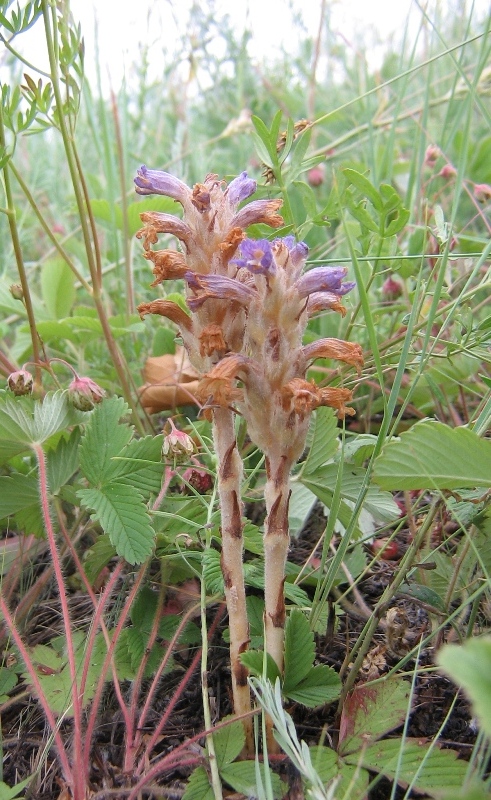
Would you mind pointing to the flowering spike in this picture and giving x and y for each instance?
(216, 286)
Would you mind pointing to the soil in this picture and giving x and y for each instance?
(25, 734)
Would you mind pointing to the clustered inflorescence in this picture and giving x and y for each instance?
(250, 301)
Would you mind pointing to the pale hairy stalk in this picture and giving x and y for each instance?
(276, 542)
(229, 486)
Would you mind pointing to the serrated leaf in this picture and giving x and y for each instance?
(62, 462)
(321, 685)
(51, 416)
(470, 666)
(431, 769)
(144, 609)
(16, 492)
(302, 501)
(104, 438)
(350, 781)
(369, 712)
(424, 594)
(254, 659)
(30, 520)
(253, 539)
(432, 455)
(8, 680)
(57, 288)
(324, 440)
(123, 516)
(212, 572)
(377, 502)
(98, 556)
(140, 465)
(299, 650)
(199, 787)
(228, 743)
(241, 776)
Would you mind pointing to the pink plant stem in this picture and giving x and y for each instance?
(177, 695)
(229, 491)
(78, 774)
(62, 755)
(107, 661)
(174, 759)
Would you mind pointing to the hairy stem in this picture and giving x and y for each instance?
(276, 543)
(229, 486)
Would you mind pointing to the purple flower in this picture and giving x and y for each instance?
(154, 181)
(256, 256)
(241, 188)
(323, 279)
(216, 286)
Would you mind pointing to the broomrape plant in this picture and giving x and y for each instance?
(250, 301)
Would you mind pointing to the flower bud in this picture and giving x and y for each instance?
(177, 445)
(17, 291)
(391, 289)
(432, 155)
(482, 192)
(315, 176)
(20, 382)
(84, 394)
(448, 171)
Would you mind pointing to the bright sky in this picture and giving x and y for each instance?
(123, 25)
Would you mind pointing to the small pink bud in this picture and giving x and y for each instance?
(17, 291)
(391, 289)
(20, 382)
(448, 171)
(177, 445)
(482, 192)
(432, 155)
(58, 228)
(315, 176)
(84, 394)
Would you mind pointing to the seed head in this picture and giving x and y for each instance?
(84, 394)
(177, 445)
(20, 382)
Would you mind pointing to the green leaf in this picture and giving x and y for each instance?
(52, 415)
(199, 787)
(8, 793)
(397, 224)
(367, 189)
(424, 594)
(321, 685)
(139, 464)
(350, 781)
(8, 681)
(254, 659)
(212, 572)
(123, 516)
(63, 461)
(432, 455)
(299, 650)
(470, 666)
(16, 492)
(262, 150)
(98, 556)
(302, 501)
(241, 776)
(431, 769)
(104, 438)
(371, 711)
(57, 288)
(324, 440)
(228, 742)
(379, 503)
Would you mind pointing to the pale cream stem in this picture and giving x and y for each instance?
(229, 491)
(276, 543)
